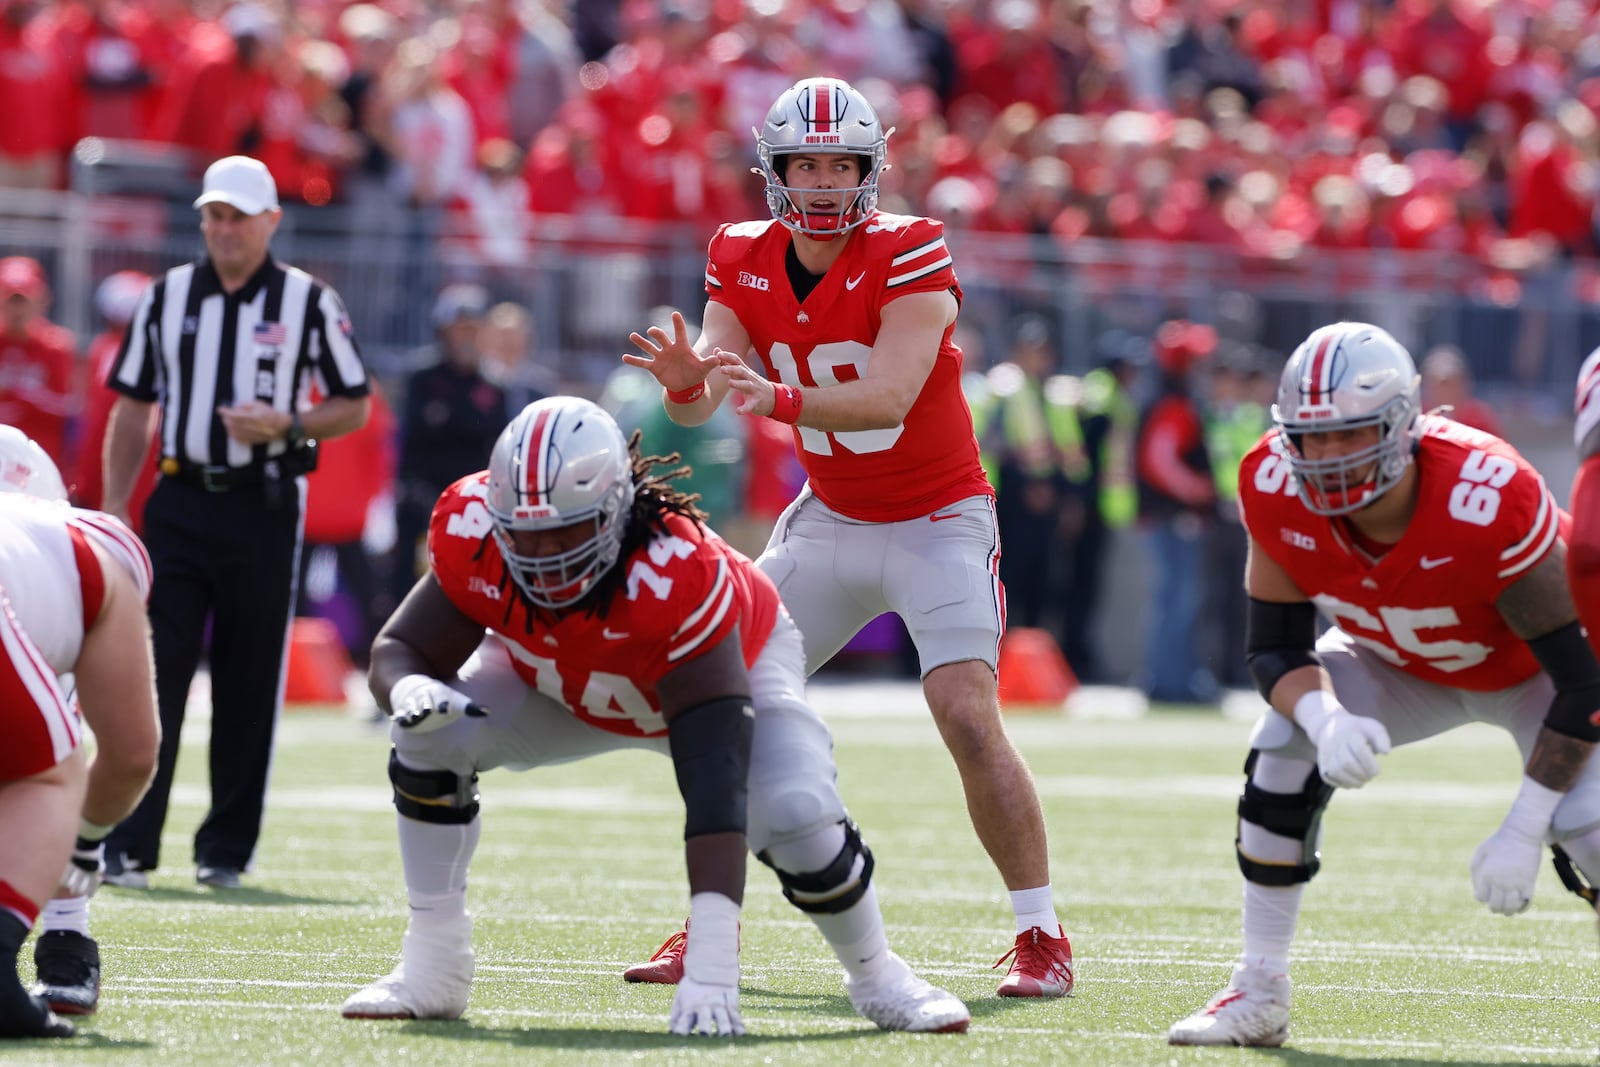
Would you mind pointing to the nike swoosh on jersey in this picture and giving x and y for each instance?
(941, 518)
(1428, 564)
(851, 283)
(611, 635)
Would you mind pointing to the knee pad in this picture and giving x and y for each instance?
(835, 888)
(1292, 815)
(433, 796)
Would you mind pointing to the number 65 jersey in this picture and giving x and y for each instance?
(683, 593)
(1483, 519)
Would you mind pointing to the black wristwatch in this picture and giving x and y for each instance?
(296, 434)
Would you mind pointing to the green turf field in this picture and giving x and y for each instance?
(580, 873)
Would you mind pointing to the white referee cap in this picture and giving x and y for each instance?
(242, 182)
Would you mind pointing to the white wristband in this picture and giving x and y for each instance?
(712, 954)
(1533, 809)
(1313, 710)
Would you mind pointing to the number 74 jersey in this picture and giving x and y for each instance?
(684, 592)
(1483, 519)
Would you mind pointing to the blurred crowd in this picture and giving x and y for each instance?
(1272, 127)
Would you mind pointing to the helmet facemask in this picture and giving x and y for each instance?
(822, 117)
(562, 463)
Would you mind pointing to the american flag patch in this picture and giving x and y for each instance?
(345, 326)
(270, 333)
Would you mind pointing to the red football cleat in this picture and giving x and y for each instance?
(1041, 966)
(666, 966)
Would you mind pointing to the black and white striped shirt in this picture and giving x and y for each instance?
(193, 348)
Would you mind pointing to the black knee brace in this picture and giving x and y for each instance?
(1572, 878)
(1295, 815)
(433, 796)
(832, 889)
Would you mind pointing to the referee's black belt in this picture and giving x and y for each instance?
(212, 479)
(222, 479)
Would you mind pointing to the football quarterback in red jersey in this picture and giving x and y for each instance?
(76, 649)
(575, 604)
(1437, 555)
(849, 313)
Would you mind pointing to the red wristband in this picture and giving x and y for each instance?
(785, 404)
(687, 396)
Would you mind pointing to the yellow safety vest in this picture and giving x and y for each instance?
(1119, 496)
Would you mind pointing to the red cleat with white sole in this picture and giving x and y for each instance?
(1041, 966)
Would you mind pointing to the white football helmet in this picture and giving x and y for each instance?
(560, 462)
(822, 116)
(1343, 377)
(27, 468)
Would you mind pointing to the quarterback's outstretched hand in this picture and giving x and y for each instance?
(1506, 866)
(1348, 746)
(423, 704)
(672, 360)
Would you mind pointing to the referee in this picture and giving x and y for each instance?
(226, 349)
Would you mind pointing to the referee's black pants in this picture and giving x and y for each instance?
(233, 558)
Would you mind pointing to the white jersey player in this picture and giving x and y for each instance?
(72, 614)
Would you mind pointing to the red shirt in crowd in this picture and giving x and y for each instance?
(36, 385)
(88, 489)
(33, 93)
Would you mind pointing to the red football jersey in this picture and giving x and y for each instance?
(1483, 519)
(903, 472)
(685, 591)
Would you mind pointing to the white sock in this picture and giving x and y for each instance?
(436, 857)
(1036, 907)
(1270, 913)
(855, 935)
(69, 913)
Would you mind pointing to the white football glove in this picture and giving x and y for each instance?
(422, 704)
(705, 1009)
(82, 876)
(707, 1000)
(1505, 867)
(1348, 746)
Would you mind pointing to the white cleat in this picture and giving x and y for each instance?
(896, 999)
(432, 981)
(1252, 1011)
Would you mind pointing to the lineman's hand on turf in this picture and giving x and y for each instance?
(422, 704)
(699, 1008)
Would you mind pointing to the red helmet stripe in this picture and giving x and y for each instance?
(822, 107)
(1318, 378)
(537, 455)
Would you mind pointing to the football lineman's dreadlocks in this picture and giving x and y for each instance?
(653, 500)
